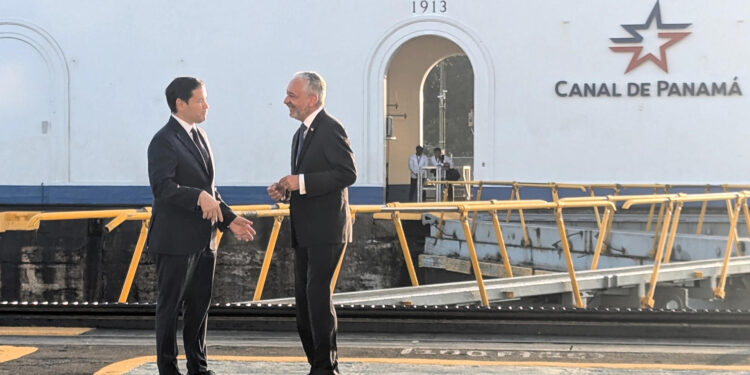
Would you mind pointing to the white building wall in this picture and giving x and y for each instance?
(121, 55)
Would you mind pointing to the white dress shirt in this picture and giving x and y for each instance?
(186, 126)
(416, 162)
(446, 159)
(308, 121)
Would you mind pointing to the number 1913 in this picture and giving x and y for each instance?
(426, 6)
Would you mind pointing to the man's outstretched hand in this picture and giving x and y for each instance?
(242, 229)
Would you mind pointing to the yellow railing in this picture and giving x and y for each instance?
(617, 189)
(31, 221)
(667, 237)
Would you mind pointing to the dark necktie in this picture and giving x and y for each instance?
(200, 146)
(300, 141)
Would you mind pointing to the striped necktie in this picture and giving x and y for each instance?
(201, 148)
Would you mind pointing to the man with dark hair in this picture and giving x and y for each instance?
(187, 211)
(416, 161)
(322, 169)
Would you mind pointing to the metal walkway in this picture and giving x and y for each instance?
(498, 290)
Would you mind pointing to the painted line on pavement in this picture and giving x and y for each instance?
(43, 331)
(9, 353)
(122, 367)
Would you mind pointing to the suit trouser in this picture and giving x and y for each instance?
(184, 283)
(316, 317)
(413, 190)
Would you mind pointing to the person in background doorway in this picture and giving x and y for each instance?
(416, 161)
(445, 163)
(442, 160)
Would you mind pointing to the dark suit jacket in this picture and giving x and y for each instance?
(322, 216)
(177, 175)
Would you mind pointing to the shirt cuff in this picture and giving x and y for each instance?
(302, 190)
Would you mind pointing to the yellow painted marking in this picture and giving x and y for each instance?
(9, 353)
(43, 331)
(122, 367)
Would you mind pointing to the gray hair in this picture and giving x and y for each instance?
(315, 85)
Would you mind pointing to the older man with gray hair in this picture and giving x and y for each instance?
(322, 165)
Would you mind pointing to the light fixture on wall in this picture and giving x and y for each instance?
(389, 125)
(389, 129)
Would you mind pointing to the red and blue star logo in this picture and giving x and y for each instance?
(666, 31)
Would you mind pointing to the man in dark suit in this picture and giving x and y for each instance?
(322, 169)
(186, 212)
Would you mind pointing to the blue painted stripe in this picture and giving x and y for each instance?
(141, 195)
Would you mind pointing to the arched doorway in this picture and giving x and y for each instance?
(33, 106)
(424, 91)
(448, 111)
(376, 83)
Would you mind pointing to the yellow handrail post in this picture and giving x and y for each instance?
(656, 228)
(476, 213)
(137, 252)
(474, 259)
(747, 216)
(116, 221)
(501, 244)
(267, 258)
(219, 234)
(608, 229)
(338, 268)
(596, 211)
(648, 299)
(719, 291)
(703, 213)
(555, 193)
(731, 213)
(405, 248)
(603, 228)
(673, 231)
(568, 257)
(479, 191)
(651, 213)
(526, 241)
(513, 196)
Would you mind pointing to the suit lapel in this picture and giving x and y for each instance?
(188, 143)
(310, 134)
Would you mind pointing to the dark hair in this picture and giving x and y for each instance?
(437, 149)
(181, 88)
